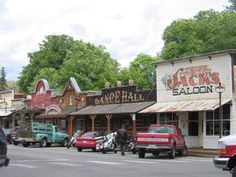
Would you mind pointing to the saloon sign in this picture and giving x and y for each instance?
(191, 80)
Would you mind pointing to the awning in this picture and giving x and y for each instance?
(4, 113)
(63, 114)
(113, 108)
(185, 106)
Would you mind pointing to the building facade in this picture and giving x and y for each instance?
(187, 96)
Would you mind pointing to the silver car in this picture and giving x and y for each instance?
(4, 161)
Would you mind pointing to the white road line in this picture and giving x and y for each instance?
(108, 163)
(46, 160)
(172, 161)
(135, 161)
(22, 165)
(65, 164)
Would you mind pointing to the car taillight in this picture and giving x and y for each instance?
(221, 148)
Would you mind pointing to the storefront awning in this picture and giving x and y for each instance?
(113, 108)
(185, 106)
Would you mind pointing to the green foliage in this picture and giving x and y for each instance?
(142, 71)
(208, 31)
(61, 57)
(232, 7)
(3, 81)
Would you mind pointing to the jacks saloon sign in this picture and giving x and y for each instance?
(191, 80)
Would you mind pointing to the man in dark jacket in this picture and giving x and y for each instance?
(122, 137)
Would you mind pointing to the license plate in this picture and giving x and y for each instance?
(84, 141)
(152, 146)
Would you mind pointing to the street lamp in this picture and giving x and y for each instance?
(220, 89)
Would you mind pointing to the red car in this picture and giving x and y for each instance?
(88, 140)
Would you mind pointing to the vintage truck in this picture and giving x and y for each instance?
(226, 159)
(161, 138)
(43, 133)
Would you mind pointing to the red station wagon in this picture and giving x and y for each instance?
(88, 140)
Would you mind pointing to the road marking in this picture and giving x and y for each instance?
(22, 165)
(135, 161)
(46, 160)
(65, 164)
(173, 161)
(108, 163)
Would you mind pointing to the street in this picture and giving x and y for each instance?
(61, 162)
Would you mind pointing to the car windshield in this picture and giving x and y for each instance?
(161, 129)
(90, 134)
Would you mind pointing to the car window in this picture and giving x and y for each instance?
(90, 134)
(161, 129)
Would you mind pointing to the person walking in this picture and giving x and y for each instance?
(122, 137)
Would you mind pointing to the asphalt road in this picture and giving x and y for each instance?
(62, 162)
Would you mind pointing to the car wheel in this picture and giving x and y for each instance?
(43, 142)
(25, 144)
(65, 142)
(15, 143)
(155, 153)
(79, 149)
(172, 153)
(184, 151)
(234, 171)
(141, 153)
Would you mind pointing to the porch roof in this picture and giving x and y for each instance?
(185, 106)
(113, 108)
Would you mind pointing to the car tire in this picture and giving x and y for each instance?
(141, 153)
(65, 142)
(43, 142)
(79, 149)
(25, 144)
(171, 154)
(184, 151)
(234, 171)
(15, 143)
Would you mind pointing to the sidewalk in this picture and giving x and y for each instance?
(199, 152)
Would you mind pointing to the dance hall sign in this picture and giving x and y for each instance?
(119, 95)
(191, 80)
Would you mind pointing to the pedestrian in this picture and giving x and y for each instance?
(122, 138)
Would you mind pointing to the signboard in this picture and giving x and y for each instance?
(191, 80)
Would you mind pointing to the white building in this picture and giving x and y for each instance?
(186, 96)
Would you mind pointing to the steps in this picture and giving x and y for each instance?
(199, 152)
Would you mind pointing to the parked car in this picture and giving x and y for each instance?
(161, 138)
(4, 161)
(226, 159)
(88, 140)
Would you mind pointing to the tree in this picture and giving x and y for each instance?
(232, 7)
(3, 81)
(142, 71)
(61, 57)
(208, 31)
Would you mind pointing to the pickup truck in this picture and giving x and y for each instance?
(161, 138)
(226, 159)
(43, 133)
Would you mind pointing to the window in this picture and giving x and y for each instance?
(193, 123)
(71, 100)
(169, 118)
(213, 122)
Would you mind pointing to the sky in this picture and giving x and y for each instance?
(125, 28)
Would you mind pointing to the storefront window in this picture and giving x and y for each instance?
(213, 122)
(193, 124)
(169, 118)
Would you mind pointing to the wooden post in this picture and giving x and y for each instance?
(93, 123)
(108, 116)
(134, 124)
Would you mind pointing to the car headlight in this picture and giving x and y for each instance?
(222, 147)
